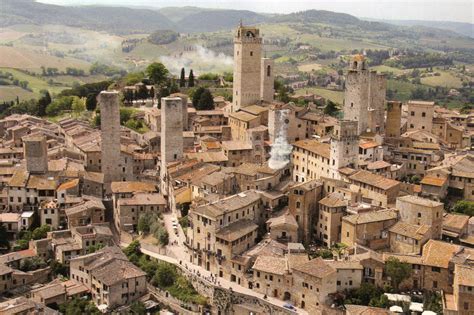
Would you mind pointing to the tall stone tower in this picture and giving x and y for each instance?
(36, 154)
(110, 133)
(247, 67)
(267, 80)
(364, 98)
(344, 147)
(394, 119)
(171, 137)
(184, 100)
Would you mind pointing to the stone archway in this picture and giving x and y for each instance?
(287, 296)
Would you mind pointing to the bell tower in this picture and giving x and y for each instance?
(247, 67)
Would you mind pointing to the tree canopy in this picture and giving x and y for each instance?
(157, 72)
(397, 271)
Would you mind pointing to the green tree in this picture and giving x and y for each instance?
(331, 109)
(93, 248)
(43, 102)
(206, 101)
(138, 307)
(91, 101)
(40, 232)
(142, 93)
(144, 223)
(77, 306)
(59, 269)
(397, 271)
(191, 78)
(157, 72)
(196, 95)
(4, 238)
(182, 78)
(78, 105)
(165, 275)
(464, 206)
(32, 263)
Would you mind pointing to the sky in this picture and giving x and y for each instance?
(434, 10)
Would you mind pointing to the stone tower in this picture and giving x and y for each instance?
(267, 80)
(364, 97)
(171, 137)
(247, 67)
(171, 129)
(110, 134)
(394, 119)
(184, 100)
(344, 147)
(36, 154)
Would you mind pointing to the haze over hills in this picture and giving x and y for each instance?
(125, 20)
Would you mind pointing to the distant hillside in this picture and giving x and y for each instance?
(466, 29)
(118, 20)
(214, 20)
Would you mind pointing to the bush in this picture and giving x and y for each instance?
(208, 76)
(464, 207)
(32, 263)
(165, 275)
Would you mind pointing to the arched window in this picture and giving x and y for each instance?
(269, 71)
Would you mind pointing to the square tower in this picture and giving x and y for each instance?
(394, 119)
(420, 115)
(171, 129)
(247, 67)
(267, 91)
(110, 134)
(344, 147)
(364, 96)
(36, 154)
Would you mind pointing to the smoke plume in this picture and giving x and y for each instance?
(281, 149)
(200, 59)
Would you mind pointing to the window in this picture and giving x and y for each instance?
(435, 269)
(412, 113)
(423, 114)
(251, 53)
(268, 71)
(435, 284)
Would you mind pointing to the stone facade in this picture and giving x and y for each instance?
(36, 154)
(110, 130)
(420, 211)
(394, 119)
(420, 115)
(344, 147)
(266, 81)
(364, 99)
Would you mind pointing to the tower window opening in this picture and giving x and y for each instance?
(251, 53)
(268, 71)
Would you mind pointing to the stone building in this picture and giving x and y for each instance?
(368, 229)
(36, 154)
(110, 277)
(406, 238)
(344, 150)
(420, 115)
(377, 189)
(329, 224)
(223, 229)
(110, 131)
(364, 98)
(394, 119)
(267, 80)
(303, 205)
(420, 211)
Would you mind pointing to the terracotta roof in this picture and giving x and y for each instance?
(143, 199)
(314, 146)
(465, 275)
(372, 216)
(129, 187)
(236, 230)
(117, 271)
(417, 232)
(254, 109)
(375, 180)
(284, 218)
(368, 144)
(334, 200)
(433, 181)
(68, 185)
(316, 267)
(243, 116)
(228, 204)
(345, 264)
(271, 264)
(411, 259)
(438, 253)
(455, 221)
(378, 165)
